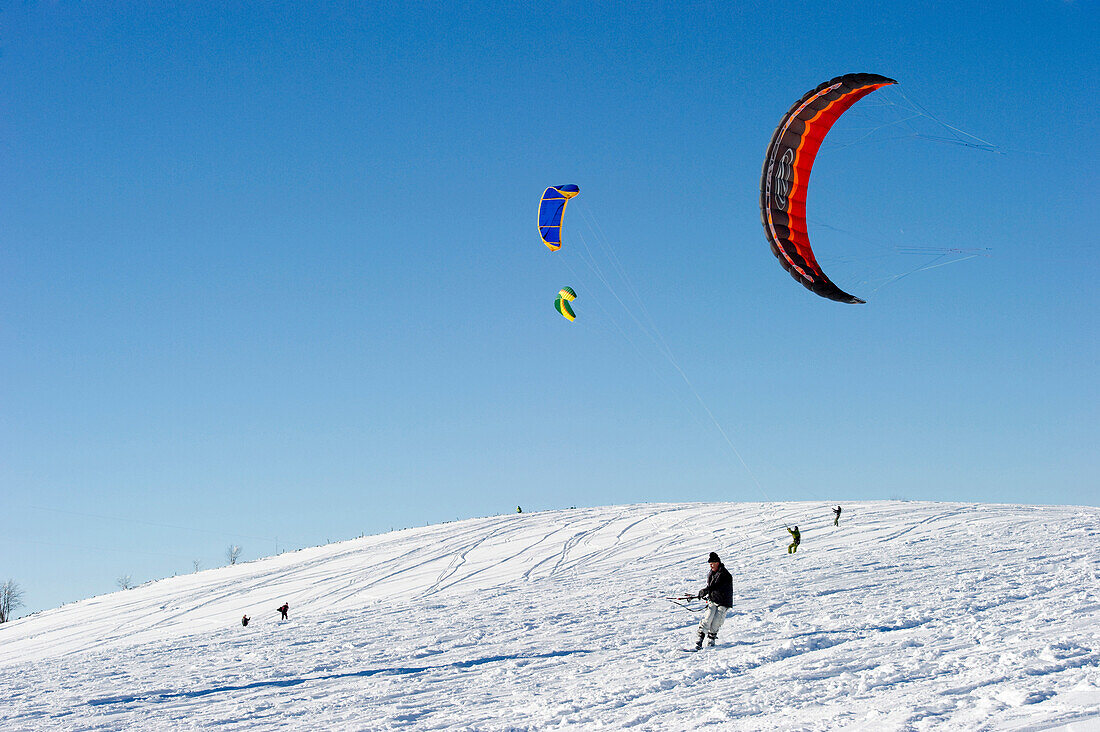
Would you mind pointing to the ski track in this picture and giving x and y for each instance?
(909, 616)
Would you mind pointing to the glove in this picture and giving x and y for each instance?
(701, 594)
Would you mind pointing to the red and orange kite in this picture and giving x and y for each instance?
(786, 175)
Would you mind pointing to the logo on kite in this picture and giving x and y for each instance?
(551, 211)
(788, 162)
(565, 294)
(783, 178)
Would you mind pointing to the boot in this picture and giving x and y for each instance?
(711, 638)
(699, 643)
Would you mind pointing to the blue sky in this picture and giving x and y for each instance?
(271, 274)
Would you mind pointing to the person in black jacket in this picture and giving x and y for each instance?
(719, 596)
(836, 521)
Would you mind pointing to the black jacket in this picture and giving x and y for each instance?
(719, 589)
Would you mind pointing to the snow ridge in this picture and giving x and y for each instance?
(907, 616)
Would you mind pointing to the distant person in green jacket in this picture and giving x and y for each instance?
(836, 521)
(797, 539)
(519, 509)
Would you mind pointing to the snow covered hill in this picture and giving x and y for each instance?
(908, 616)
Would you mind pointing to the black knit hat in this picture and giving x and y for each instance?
(713, 558)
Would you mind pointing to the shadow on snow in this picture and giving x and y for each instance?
(165, 696)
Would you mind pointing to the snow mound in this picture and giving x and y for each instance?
(907, 616)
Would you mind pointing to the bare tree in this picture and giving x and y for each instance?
(125, 582)
(232, 553)
(11, 599)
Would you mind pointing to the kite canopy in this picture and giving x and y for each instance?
(786, 176)
(565, 294)
(551, 210)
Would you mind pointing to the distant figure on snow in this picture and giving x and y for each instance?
(283, 610)
(719, 596)
(519, 509)
(836, 521)
(244, 620)
(796, 536)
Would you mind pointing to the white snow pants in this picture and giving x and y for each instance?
(712, 619)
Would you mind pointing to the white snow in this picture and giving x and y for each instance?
(909, 616)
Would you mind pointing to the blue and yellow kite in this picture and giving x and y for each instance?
(551, 210)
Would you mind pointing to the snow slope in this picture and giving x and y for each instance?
(909, 616)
